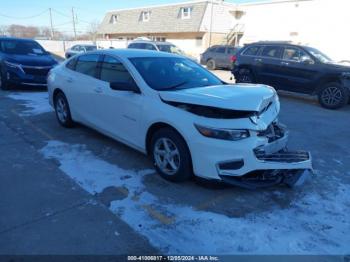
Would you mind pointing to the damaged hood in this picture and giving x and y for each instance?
(243, 97)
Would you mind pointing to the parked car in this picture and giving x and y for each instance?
(219, 56)
(295, 68)
(23, 62)
(179, 113)
(158, 46)
(78, 49)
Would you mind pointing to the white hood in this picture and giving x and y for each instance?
(243, 97)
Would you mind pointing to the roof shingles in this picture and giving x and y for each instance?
(163, 19)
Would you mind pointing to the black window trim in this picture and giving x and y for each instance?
(126, 67)
(98, 67)
(297, 47)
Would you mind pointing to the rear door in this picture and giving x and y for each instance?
(268, 65)
(84, 85)
(298, 76)
(220, 56)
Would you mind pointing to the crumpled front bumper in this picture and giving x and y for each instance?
(272, 164)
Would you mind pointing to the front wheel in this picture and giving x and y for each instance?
(333, 96)
(62, 110)
(171, 156)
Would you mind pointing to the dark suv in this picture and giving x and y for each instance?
(219, 56)
(294, 68)
(23, 62)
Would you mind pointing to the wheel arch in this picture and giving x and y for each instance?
(326, 80)
(157, 126)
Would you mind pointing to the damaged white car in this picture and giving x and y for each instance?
(183, 116)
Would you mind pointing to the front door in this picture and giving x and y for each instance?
(119, 111)
(299, 70)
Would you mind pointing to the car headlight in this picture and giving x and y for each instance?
(224, 134)
(346, 75)
(14, 65)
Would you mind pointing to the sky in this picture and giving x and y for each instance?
(35, 12)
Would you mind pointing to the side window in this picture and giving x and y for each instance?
(87, 65)
(149, 47)
(231, 51)
(294, 54)
(134, 46)
(71, 64)
(113, 70)
(271, 52)
(252, 51)
(220, 50)
(75, 48)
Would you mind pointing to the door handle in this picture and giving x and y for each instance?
(98, 90)
(70, 80)
(258, 60)
(284, 63)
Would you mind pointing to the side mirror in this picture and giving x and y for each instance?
(125, 86)
(307, 60)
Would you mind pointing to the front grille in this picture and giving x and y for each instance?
(273, 133)
(41, 71)
(283, 156)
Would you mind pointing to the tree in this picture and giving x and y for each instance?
(92, 31)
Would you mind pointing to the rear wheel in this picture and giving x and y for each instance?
(333, 96)
(171, 156)
(62, 110)
(211, 64)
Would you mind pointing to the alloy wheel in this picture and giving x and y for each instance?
(166, 156)
(332, 96)
(62, 109)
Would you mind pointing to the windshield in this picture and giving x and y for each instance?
(319, 55)
(170, 73)
(170, 49)
(22, 47)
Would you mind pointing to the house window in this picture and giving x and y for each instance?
(186, 12)
(145, 16)
(114, 19)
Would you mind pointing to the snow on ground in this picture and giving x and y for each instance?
(314, 224)
(36, 103)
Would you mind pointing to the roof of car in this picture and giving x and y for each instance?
(288, 43)
(132, 53)
(151, 42)
(15, 38)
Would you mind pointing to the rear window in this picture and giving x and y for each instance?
(220, 50)
(253, 50)
(90, 48)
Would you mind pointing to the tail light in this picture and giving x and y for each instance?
(233, 59)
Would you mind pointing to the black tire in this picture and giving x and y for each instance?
(184, 171)
(61, 103)
(333, 95)
(211, 65)
(245, 76)
(3, 83)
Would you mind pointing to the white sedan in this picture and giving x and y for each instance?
(183, 116)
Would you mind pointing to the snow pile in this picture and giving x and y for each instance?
(36, 103)
(313, 224)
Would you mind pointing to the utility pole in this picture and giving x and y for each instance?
(52, 31)
(211, 22)
(74, 27)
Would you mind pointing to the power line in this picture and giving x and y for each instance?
(25, 17)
